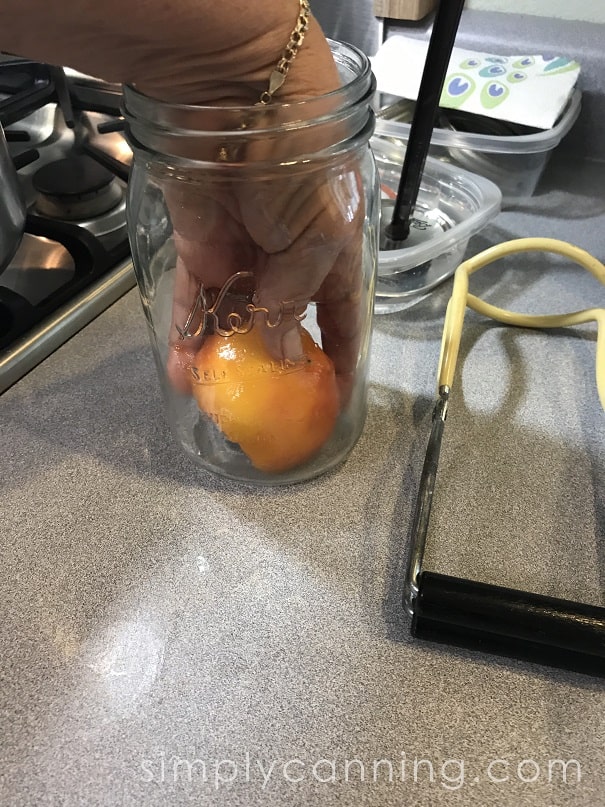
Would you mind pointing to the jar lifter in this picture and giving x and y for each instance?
(481, 616)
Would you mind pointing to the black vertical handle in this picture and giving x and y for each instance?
(445, 27)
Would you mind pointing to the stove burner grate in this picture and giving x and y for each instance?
(76, 201)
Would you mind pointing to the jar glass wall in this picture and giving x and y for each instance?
(254, 240)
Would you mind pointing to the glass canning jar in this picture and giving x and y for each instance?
(254, 235)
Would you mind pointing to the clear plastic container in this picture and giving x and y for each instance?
(515, 162)
(254, 241)
(452, 205)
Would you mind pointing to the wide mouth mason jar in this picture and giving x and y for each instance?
(254, 234)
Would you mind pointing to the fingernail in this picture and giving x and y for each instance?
(291, 345)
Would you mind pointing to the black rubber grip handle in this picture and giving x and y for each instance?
(504, 621)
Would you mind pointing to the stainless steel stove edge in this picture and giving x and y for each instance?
(50, 334)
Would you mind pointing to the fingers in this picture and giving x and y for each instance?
(285, 286)
(208, 238)
(302, 240)
(182, 350)
(342, 305)
(211, 246)
(320, 217)
(342, 299)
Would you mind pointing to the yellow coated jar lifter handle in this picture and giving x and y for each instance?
(454, 317)
(482, 616)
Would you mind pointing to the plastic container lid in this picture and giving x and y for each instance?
(458, 202)
(517, 144)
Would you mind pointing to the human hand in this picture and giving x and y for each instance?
(301, 242)
(297, 231)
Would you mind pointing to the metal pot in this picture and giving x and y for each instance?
(12, 206)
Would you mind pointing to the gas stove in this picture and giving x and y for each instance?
(64, 133)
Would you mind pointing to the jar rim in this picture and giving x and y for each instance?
(143, 111)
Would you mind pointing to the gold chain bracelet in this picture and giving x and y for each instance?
(278, 76)
(228, 153)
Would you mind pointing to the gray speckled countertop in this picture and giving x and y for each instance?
(155, 620)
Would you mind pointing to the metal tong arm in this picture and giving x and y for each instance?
(454, 317)
(478, 615)
(424, 501)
